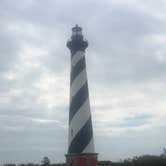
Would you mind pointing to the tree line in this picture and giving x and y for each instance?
(144, 160)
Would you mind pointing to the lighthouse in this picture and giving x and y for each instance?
(81, 150)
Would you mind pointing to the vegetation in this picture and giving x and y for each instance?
(145, 160)
(45, 161)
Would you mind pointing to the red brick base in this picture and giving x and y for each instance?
(85, 159)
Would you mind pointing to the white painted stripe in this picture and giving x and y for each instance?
(78, 82)
(79, 120)
(77, 57)
(90, 147)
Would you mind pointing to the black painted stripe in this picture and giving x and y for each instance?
(77, 69)
(82, 138)
(73, 53)
(78, 100)
(76, 54)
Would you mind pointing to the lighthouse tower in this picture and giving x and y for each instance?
(80, 140)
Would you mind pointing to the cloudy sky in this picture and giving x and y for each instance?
(126, 65)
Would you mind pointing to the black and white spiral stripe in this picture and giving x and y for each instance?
(80, 123)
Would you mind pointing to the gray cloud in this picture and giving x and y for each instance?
(8, 49)
(126, 68)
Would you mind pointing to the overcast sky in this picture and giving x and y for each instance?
(126, 65)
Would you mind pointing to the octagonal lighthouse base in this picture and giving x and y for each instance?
(83, 159)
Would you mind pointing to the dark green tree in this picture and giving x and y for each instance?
(45, 161)
(163, 154)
